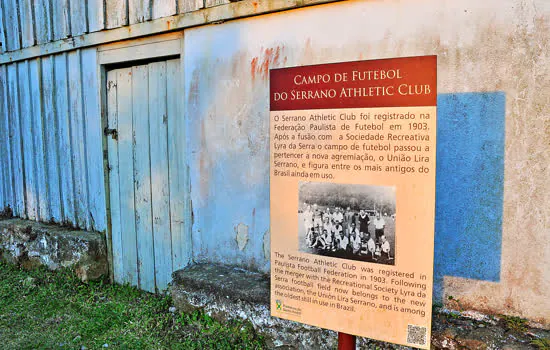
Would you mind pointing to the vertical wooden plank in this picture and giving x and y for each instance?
(29, 168)
(139, 11)
(61, 19)
(6, 144)
(64, 142)
(27, 23)
(160, 189)
(142, 178)
(78, 138)
(42, 18)
(11, 19)
(116, 13)
(102, 73)
(4, 175)
(114, 178)
(163, 8)
(94, 136)
(39, 157)
(190, 5)
(51, 136)
(176, 154)
(5, 167)
(15, 142)
(96, 21)
(3, 179)
(212, 3)
(79, 21)
(3, 199)
(2, 28)
(8, 156)
(126, 177)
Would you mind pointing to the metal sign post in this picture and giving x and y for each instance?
(346, 341)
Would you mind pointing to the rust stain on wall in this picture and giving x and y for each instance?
(270, 58)
(253, 67)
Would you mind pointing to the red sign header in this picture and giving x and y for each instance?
(395, 82)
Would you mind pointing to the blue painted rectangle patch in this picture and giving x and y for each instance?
(469, 186)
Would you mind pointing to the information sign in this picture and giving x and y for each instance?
(353, 148)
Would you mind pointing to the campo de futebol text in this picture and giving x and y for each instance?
(402, 82)
(403, 89)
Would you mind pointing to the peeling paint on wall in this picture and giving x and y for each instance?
(242, 235)
(267, 245)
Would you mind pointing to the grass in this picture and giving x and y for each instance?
(542, 343)
(40, 309)
(515, 324)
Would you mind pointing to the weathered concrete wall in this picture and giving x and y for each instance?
(492, 226)
(30, 244)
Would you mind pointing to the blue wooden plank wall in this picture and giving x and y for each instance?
(24, 23)
(50, 140)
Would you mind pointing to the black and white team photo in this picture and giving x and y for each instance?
(347, 221)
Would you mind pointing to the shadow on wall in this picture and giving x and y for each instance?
(469, 187)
